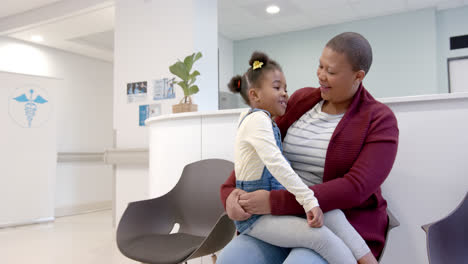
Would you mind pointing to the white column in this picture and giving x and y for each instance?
(205, 29)
(150, 35)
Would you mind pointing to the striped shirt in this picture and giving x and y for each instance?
(255, 148)
(306, 143)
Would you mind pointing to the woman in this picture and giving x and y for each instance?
(346, 173)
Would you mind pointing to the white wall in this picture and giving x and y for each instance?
(146, 45)
(450, 23)
(144, 48)
(83, 187)
(404, 49)
(227, 99)
(84, 114)
(149, 37)
(205, 40)
(429, 177)
(226, 61)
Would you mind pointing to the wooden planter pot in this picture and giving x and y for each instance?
(185, 105)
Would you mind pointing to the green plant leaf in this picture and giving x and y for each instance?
(191, 59)
(193, 90)
(188, 61)
(197, 56)
(180, 70)
(194, 74)
(193, 77)
(184, 86)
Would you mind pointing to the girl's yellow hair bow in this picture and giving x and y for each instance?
(257, 65)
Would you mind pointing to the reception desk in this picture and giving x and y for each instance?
(179, 139)
(429, 177)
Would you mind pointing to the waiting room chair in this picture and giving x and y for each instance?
(447, 239)
(143, 231)
(392, 223)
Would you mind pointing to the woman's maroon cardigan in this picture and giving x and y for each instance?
(360, 156)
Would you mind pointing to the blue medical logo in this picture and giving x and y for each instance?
(29, 107)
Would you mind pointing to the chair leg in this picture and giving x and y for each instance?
(214, 258)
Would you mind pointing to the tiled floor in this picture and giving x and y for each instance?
(80, 239)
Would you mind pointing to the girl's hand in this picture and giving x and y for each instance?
(315, 217)
(233, 208)
(257, 202)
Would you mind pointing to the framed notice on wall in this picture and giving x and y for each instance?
(458, 74)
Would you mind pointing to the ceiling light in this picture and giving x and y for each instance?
(37, 38)
(273, 9)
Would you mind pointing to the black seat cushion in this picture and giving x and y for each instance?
(162, 249)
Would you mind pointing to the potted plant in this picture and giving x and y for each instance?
(182, 69)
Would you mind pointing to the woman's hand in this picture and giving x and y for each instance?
(233, 208)
(315, 217)
(257, 202)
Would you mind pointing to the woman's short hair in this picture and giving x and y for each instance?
(355, 47)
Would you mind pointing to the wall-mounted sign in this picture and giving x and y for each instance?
(163, 89)
(147, 111)
(136, 92)
(30, 106)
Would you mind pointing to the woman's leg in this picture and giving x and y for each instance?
(304, 255)
(248, 250)
(294, 232)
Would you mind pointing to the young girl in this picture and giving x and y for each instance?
(260, 164)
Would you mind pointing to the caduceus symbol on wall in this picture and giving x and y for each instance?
(31, 104)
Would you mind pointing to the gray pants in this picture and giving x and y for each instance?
(336, 241)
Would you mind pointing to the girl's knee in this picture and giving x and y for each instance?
(334, 213)
(334, 217)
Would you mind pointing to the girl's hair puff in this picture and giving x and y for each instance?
(252, 77)
(238, 84)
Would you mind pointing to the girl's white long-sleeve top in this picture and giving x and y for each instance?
(255, 148)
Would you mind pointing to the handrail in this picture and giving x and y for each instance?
(137, 156)
(130, 156)
(80, 157)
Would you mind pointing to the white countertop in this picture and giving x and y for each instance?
(420, 98)
(236, 111)
(386, 100)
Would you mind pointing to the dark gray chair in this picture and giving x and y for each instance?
(392, 223)
(143, 231)
(447, 239)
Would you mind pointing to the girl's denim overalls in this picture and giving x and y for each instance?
(267, 182)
